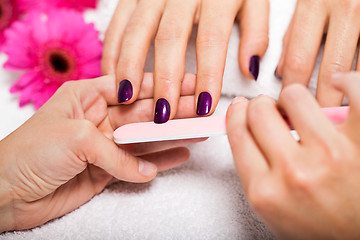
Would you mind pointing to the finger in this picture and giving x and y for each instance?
(249, 162)
(341, 43)
(306, 116)
(307, 31)
(147, 87)
(270, 131)
(114, 34)
(138, 149)
(254, 27)
(105, 87)
(349, 84)
(170, 49)
(94, 148)
(215, 25)
(168, 159)
(141, 111)
(279, 69)
(135, 46)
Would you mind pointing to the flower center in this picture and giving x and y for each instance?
(59, 65)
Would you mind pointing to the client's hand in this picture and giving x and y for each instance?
(135, 24)
(64, 155)
(307, 189)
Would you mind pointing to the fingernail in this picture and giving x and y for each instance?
(125, 91)
(276, 74)
(162, 111)
(146, 168)
(204, 104)
(238, 100)
(254, 66)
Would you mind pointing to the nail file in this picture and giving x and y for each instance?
(192, 128)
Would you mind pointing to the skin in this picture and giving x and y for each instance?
(135, 24)
(303, 189)
(64, 154)
(339, 19)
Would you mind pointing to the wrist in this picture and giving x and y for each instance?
(6, 209)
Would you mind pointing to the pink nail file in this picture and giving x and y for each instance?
(192, 128)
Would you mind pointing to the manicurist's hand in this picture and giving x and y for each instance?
(340, 19)
(64, 155)
(307, 189)
(136, 23)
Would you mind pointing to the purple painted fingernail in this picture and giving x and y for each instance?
(254, 66)
(276, 74)
(204, 104)
(162, 111)
(125, 91)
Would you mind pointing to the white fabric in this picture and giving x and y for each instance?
(202, 199)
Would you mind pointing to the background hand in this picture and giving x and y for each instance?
(303, 189)
(339, 19)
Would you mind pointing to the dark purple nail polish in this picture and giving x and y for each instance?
(162, 111)
(204, 104)
(125, 91)
(254, 66)
(276, 74)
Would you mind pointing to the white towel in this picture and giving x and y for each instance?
(202, 199)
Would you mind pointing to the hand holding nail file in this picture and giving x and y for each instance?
(192, 128)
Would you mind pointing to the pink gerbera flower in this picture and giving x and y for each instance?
(52, 49)
(10, 11)
(48, 4)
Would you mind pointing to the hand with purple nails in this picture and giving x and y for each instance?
(64, 154)
(135, 24)
(307, 188)
(335, 21)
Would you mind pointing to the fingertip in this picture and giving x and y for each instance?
(236, 108)
(336, 79)
(204, 104)
(162, 111)
(147, 169)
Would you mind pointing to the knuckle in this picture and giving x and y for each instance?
(210, 77)
(292, 93)
(335, 66)
(297, 64)
(330, 154)
(350, 7)
(166, 78)
(214, 37)
(262, 196)
(83, 131)
(299, 179)
(171, 33)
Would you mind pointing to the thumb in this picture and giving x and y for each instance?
(104, 153)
